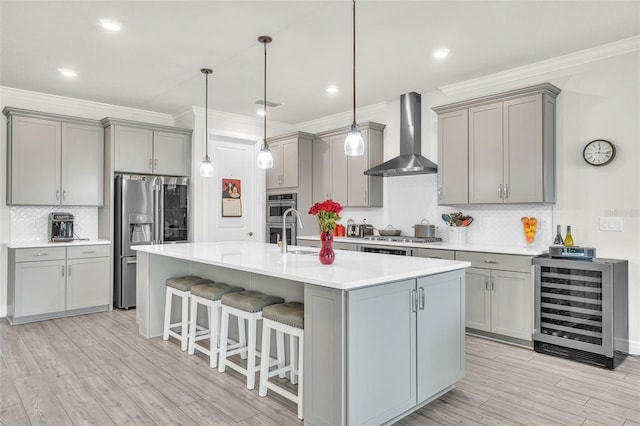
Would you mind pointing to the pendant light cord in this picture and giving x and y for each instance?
(265, 95)
(206, 115)
(354, 62)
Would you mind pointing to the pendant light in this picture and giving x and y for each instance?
(354, 144)
(206, 168)
(265, 159)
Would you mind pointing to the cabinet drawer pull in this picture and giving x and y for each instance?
(491, 261)
(88, 252)
(41, 254)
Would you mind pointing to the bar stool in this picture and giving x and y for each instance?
(245, 305)
(287, 318)
(180, 287)
(208, 295)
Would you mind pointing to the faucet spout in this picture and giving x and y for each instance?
(283, 247)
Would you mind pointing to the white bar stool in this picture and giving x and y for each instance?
(180, 287)
(287, 318)
(208, 295)
(245, 305)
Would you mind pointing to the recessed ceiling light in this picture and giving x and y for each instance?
(67, 72)
(260, 112)
(332, 89)
(111, 25)
(441, 53)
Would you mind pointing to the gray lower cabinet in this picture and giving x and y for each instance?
(52, 282)
(499, 294)
(53, 159)
(337, 245)
(434, 253)
(406, 346)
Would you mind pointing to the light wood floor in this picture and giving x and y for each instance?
(96, 369)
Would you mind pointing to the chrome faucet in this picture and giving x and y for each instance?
(283, 247)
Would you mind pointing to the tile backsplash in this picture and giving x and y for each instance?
(30, 223)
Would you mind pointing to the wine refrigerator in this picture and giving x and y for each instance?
(581, 310)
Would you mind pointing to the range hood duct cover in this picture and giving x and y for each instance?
(409, 162)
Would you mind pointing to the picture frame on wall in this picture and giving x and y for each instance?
(231, 198)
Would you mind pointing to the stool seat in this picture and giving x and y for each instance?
(289, 313)
(249, 300)
(213, 290)
(185, 283)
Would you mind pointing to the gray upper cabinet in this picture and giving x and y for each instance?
(342, 178)
(291, 157)
(510, 148)
(453, 149)
(149, 149)
(53, 159)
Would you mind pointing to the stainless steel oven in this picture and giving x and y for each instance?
(274, 233)
(277, 204)
(399, 251)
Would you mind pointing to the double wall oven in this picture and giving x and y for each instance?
(277, 204)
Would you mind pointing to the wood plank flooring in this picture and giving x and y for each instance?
(96, 369)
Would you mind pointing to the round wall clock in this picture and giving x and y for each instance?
(599, 152)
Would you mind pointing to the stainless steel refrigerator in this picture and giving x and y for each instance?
(148, 210)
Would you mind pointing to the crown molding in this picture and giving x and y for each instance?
(581, 57)
(68, 106)
(338, 120)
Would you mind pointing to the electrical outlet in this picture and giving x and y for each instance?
(611, 224)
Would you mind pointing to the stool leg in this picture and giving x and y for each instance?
(280, 353)
(242, 339)
(213, 336)
(185, 322)
(167, 314)
(224, 331)
(251, 358)
(293, 357)
(192, 325)
(300, 377)
(264, 359)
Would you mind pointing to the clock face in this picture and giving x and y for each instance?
(599, 152)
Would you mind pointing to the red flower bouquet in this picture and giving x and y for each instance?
(327, 213)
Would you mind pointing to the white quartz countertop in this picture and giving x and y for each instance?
(350, 270)
(34, 244)
(485, 248)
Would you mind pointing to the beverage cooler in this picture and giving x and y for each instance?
(581, 310)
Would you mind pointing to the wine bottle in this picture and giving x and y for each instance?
(558, 241)
(568, 239)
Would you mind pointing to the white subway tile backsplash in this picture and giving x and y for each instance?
(29, 223)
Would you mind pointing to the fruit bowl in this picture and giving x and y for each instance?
(529, 228)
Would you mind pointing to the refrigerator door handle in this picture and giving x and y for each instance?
(160, 227)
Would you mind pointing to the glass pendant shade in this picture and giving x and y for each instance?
(265, 159)
(354, 144)
(206, 168)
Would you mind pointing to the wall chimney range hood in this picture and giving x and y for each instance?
(409, 162)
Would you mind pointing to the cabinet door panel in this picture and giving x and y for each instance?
(478, 299)
(512, 304)
(339, 171)
(381, 376)
(35, 161)
(523, 150)
(40, 287)
(171, 154)
(485, 154)
(274, 175)
(453, 158)
(440, 333)
(133, 150)
(82, 164)
(321, 185)
(289, 163)
(87, 282)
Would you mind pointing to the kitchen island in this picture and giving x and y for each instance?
(384, 335)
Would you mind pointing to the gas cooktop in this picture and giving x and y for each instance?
(404, 239)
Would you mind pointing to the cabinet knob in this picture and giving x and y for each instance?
(250, 234)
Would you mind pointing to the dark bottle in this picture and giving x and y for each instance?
(558, 241)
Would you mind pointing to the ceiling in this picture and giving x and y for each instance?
(154, 62)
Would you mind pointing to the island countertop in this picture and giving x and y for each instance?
(350, 270)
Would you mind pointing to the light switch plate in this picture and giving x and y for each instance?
(611, 224)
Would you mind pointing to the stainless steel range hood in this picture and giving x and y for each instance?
(409, 162)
